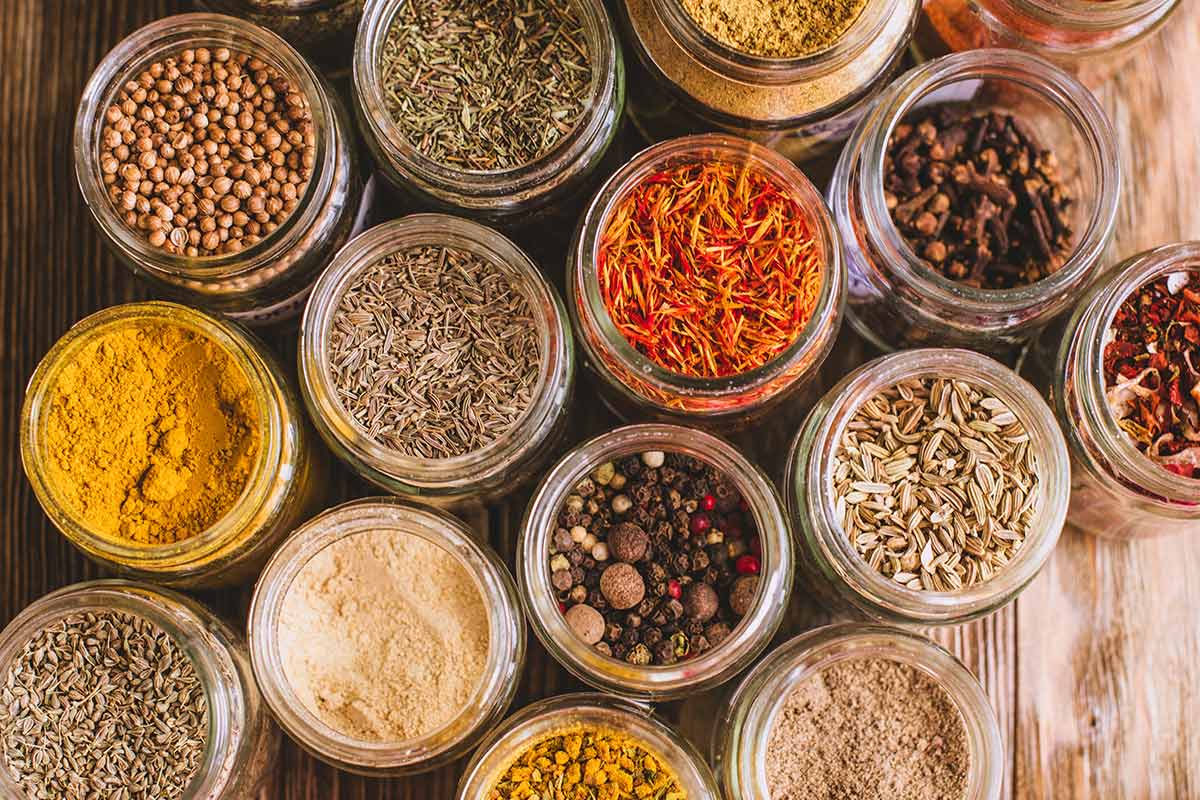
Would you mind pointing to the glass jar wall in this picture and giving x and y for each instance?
(320, 28)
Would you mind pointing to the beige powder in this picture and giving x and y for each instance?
(384, 636)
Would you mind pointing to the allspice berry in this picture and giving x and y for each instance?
(586, 622)
(700, 602)
(622, 586)
(627, 542)
(745, 589)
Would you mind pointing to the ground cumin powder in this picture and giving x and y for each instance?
(151, 433)
(775, 28)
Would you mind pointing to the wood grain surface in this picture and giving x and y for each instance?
(1094, 672)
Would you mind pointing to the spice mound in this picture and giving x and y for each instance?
(1152, 370)
(868, 728)
(936, 484)
(384, 636)
(486, 86)
(434, 352)
(775, 28)
(151, 433)
(102, 704)
(655, 558)
(585, 763)
(207, 152)
(710, 269)
(978, 198)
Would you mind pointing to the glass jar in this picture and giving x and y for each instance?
(322, 28)
(895, 300)
(1090, 37)
(269, 280)
(243, 742)
(554, 715)
(1116, 491)
(743, 730)
(707, 670)
(506, 650)
(499, 466)
(684, 81)
(285, 486)
(635, 387)
(837, 573)
(525, 196)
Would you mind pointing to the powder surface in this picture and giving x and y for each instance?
(868, 729)
(384, 636)
(151, 433)
(775, 28)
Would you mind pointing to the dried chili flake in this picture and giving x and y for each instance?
(1152, 370)
(710, 269)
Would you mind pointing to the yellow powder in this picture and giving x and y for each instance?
(151, 433)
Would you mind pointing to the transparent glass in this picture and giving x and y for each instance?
(684, 81)
(501, 465)
(269, 280)
(285, 486)
(323, 28)
(1090, 37)
(834, 570)
(243, 742)
(567, 712)
(506, 649)
(1116, 491)
(635, 387)
(710, 668)
(739, 744)
(497, 196)
(895, 301)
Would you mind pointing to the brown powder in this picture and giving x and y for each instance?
(868, 729)
(775, 28)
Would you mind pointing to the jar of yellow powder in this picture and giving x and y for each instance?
(166, 445)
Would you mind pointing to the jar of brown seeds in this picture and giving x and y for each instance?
(217, 164)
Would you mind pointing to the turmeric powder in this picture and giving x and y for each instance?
(150, 434)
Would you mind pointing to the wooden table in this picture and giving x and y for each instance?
(1094, 672)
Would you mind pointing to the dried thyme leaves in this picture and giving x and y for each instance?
(486, 84)
(936, 484)
(434, 352)
(103, 705)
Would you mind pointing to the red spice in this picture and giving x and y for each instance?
(1152, 371)
(747, 565)
(710, 269)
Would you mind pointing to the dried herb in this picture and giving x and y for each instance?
(978, 198)
(710, 269)
(434, 352)
(486, 84)
(1152, 370)
(103, 705)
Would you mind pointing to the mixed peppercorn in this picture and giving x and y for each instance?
(655, 558)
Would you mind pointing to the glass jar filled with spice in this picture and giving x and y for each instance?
(166, 445)
(932, 730)
(575, 738)
(928, 487)
(324, 29)
(167, 685)
(217, 164)
(975, 200)
(1127, 393)
(655, 561)
(794, 76)
(706, 282)
(436, 360)
(386, 637)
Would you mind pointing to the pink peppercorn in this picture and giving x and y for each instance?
(708, 503)
(700, 523)
(747, 565)
(674, 589)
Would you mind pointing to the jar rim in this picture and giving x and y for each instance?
(555, 344)
(250, 359)
(810, 468)
(179, 617)
(749, 637)
(1085, 354)
(506, 635)
(1033, 73)
(639, 374)
(167, 36)
(1090, 15)
(467, 187)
